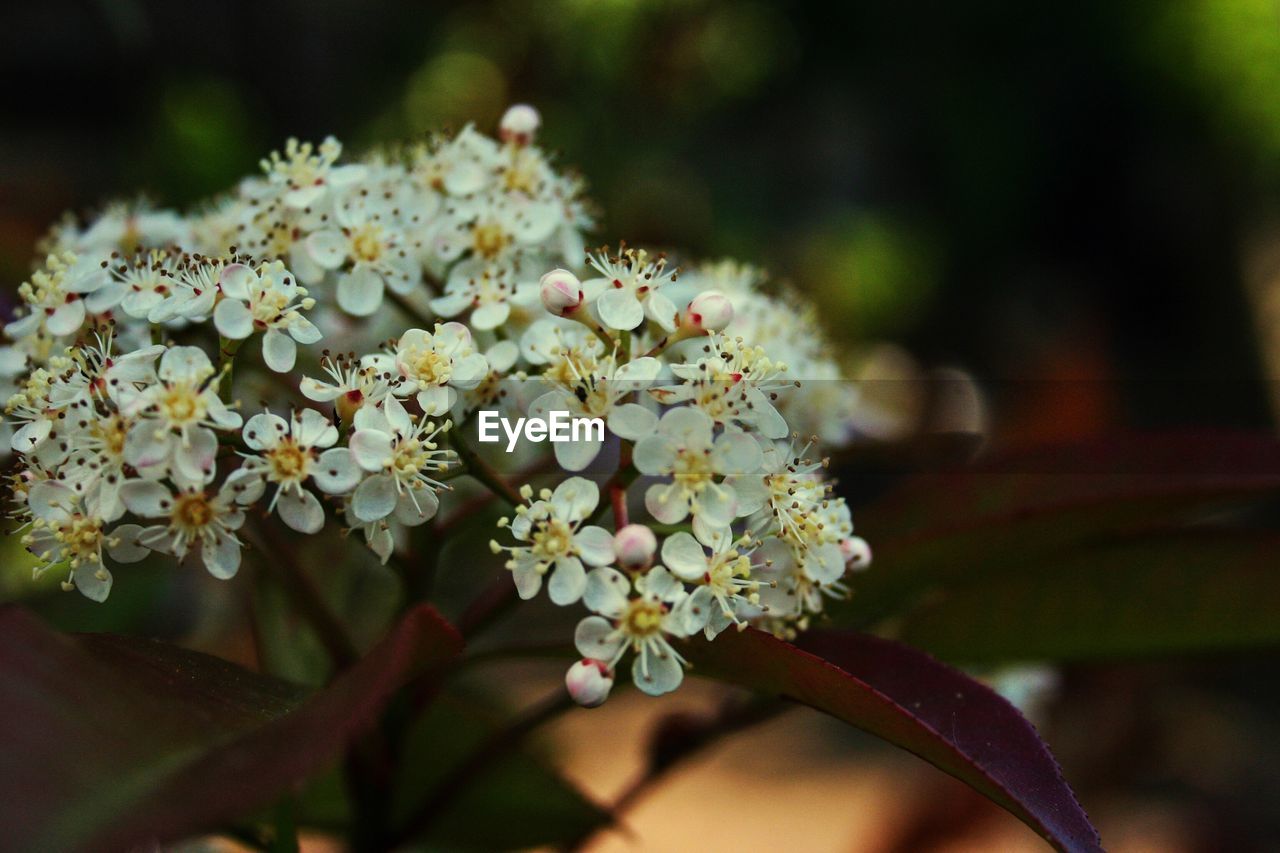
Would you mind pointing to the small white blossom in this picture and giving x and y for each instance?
(642, 623)
(400, 455)
(266, 300)
(556, 542)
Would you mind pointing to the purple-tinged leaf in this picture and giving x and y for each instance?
(911, 700)
(110, 742)
(1009, 512)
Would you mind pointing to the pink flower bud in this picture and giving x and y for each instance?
(711, 311)
(634, 546)
(519, 123)
(561, 292)
(857, 553)
(589, 682)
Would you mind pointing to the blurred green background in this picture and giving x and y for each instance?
(1070, 192)
(1029, 190)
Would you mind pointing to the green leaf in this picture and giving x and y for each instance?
(1175, 591)
(111, 742)
(911, 700)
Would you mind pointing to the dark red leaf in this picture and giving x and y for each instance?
(909, 699)
(110, 741)
(944, 528)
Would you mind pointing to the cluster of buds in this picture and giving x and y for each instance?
(693, 511)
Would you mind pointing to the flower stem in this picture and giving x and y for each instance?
(227, 350)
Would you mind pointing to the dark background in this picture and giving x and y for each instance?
(1035, 192)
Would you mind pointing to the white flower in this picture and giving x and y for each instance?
(355, 383)
(400, 455)
(176, 417)
(371, 248)
(486, 290)
(641, 623)
(305, 174)
(589, 682)
(627, 290)
(727, 594)
(290, 455)
(53, 298)
(459, 166)
(266, 300)
(733, 384)
(557, 542)
(788, 499)
(684, 449)
(192, 516)
(436, 365)
(589, 387)
(63, 530)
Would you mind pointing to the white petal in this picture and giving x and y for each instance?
(416, 506)
(237, 282)
(313, 429)
(567, 581)
(491, 315)
(575, 499)
(606, 591)
(656, 673)
(665, 504)
(593, 639)
(576, 455)
(264, 431)
(619, 309)
(736, 453)
(146, 498)
(375, 498)
(632, 421)
(336, 472)
(127, 548)
(221, 555)
(279, 351)
(654, 455)
(595, 545)
(683, 555)
(327, 248)
(371, 449)
(195, 459)
(93, 580)
(360, 292)
(301, 511)
(303, 330)
(66, 318)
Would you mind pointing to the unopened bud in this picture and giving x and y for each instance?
(634, 546)
(589, 682)
(857, 553)
(561, 292)
(711, 311)
(519, 123)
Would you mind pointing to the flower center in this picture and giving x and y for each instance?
(410, 457)
(488, 240)
(182, 404)
(430, 367)
(111, 432)
(553, 539)
(692, 469)
(192, 513)
(367, 244)
(81, 536)
(289, 462)
(643, 618)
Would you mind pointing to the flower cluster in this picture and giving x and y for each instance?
(392, 298)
